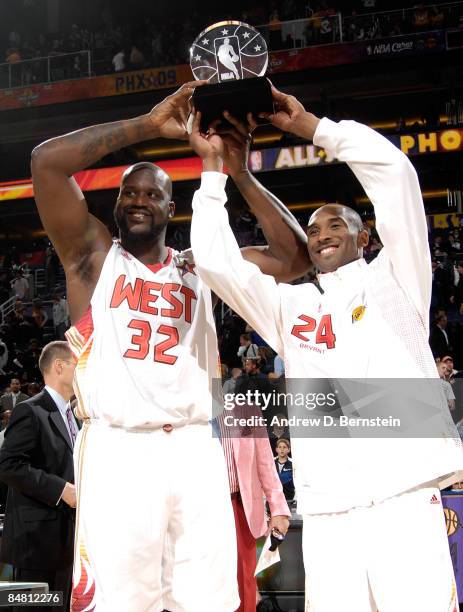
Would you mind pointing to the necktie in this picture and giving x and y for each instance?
(72, 427)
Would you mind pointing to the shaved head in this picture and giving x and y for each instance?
(352, 218)
(161, 177)
(335, 237)
(144, 205)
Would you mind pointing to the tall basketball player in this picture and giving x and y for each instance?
(153, 533)
(363, 321)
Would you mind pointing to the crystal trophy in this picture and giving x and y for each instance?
(232, 56)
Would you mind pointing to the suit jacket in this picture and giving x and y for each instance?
(36, 462)
(6, 401)
(256, 472)
(438, 342)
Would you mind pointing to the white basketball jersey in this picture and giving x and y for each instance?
(368, 322)
(147, 347)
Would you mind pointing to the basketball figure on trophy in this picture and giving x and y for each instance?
(227, 57)
(232, 57)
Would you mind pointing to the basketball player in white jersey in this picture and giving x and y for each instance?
(155, 525)
(374, 530)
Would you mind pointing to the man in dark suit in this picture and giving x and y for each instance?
(439, 337)
(15, 395)
(37, 465)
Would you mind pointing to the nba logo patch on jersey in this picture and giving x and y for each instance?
(186, 267)
(358, 313)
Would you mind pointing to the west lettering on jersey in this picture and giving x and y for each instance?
(172, 299)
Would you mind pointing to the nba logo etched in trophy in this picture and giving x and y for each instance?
(232, 56)
(227, 57)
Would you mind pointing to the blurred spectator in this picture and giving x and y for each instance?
(13, 397)
(247, 349)
(278, 430)
(51, 267)
(137, 59)
(265, 359)
(20, 286)
(30, 360)
(278, 368)
(60, 316)
(421, 18)
(118, 61)
(447, 387)
(373, 248)
(274, 29)
(3, 358)
(39, 318)
(442, 284)
(450, 372)
(230, 384)
(12, 258)
(253, 380)
(14, 39)
(368, 6)
(245, 225)
(439, 338)
(284, 467)
(436, 247)
(326, 24)
(454, 244)
(12, 56)
(224, 372)
(229, 337)
(33, 388)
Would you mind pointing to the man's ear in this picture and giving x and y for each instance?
(363, 239)
(171, 209)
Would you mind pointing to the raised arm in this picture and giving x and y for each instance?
(285, 257)
(391, 183)
(253, 295)
(80, 239)
(389, 180)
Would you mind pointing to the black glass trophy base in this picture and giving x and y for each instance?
(238, 97)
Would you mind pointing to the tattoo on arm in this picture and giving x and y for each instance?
(100, 140)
